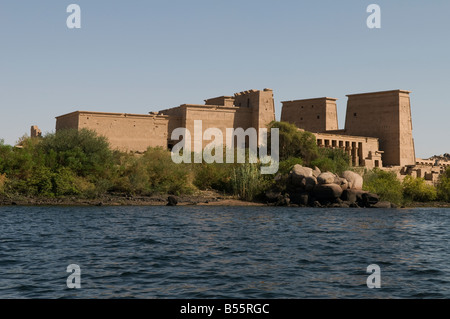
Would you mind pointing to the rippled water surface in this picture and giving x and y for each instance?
(223, 252)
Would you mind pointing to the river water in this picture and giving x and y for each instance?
(223, 252)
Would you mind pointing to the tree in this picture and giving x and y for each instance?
(332, 160)
(84, 152)
(443, 187)
(295, 143)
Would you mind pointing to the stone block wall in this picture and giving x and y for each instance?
(313, 115)
(387, 116)
(125, 132)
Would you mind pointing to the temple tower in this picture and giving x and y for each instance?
(260, 103)
(313, 115)
(386, 115)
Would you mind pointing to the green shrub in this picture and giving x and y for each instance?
(3, 181)
(332, 160)
(213, 176)
(164, 175)
(295, 143)
(443, 187)
(416, 189)
(325, 164)
(66, 182)
(287, 164)
(83, 152)
(152, 173)
(40, 183)
(80, 163)
(385, 184)
(20, 162)
(5, 154)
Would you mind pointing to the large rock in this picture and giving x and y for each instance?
(349, 195)
(316, 172)
(353, 196)
(172, 201)
(310, 183)
(284, 201)
(327, 192)
(273, 196)
(370, 199)
(298, 175)
(355, 181)
(341, 182)
(326, 178)
(299, 170)
(300, 199)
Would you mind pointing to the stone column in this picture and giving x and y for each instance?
(348, 150)
(355, 150)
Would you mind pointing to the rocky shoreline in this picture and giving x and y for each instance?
(309, 187)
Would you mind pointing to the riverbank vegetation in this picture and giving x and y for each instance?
(80, 164)
(410, 190)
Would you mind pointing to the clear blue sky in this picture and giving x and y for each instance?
(138, 56)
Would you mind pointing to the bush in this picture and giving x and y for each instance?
(66, 182)
(287, 165)
(164, 175)
(65, 163)
(19, 163)
(3, 181)
(385, 184)
(213, 176)
(325, 164)
(295, 143)
(416, 189)
(332, 160)
(443, 187)
(40, 183)
(5, 154)
(152, 173)
(83, 152)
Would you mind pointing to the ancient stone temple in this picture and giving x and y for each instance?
(378, 128)
(137, 132)
(387, 116)
(243, 110)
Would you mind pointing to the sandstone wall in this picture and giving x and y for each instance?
(126, 132)
(313, 115)
(246, 109)
(177, 118)
(264, 111)
(385, 115)
(67, 121)
(132, 132)
(211, 117)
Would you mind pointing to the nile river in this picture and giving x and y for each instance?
(223, 252)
